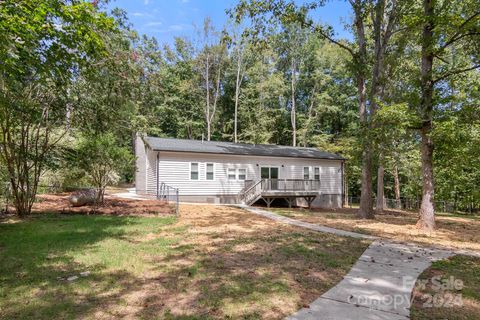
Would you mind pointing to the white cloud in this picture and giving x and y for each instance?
(146, 2)
(153, 24)
(179, 27)
(171, 28)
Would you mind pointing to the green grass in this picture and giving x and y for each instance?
(35, 253)
(444, 306)
(162, 268)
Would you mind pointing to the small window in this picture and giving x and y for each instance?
(210, 172)
(231, 174)
(242, 174)
(194, 171)
(306, 173)
(317, 173)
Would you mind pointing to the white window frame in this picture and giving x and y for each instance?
(234, 174)
(238, 174)
(314, 173)
(308, 169)
(213, 171)
(198, 171)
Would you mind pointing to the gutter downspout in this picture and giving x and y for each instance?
(157, 173)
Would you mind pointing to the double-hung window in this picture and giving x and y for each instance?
(242, 174)
(194, 171)
(316, 175)
(231, 174)
(306, 173)
(210, 173)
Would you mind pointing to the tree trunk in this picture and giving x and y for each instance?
(427, 211)
(366, 205)
(294, 111)
(237, 94)
(396, 179)
(207, 107)
(380, 191)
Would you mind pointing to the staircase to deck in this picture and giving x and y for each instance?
(252, 193)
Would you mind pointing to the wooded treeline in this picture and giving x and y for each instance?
(399, 100)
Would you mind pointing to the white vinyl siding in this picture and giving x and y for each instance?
(174, 170)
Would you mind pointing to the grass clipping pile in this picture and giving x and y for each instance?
(59, 204)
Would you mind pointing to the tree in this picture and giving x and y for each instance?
(44, 46)
(102, 159)
(210, 62)
(444, 28)
(385, 23)
(241, 56)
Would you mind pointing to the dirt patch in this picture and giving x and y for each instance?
(58, 203)
(452, 231)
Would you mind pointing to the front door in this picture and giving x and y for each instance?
(270, 173)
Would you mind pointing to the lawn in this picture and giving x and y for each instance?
(458, 301)
(454, 231)
(209, 263)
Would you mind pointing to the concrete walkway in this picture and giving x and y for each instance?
(379, 285)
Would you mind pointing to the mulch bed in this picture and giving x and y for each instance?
(58, 203)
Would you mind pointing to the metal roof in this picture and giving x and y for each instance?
(219, 147)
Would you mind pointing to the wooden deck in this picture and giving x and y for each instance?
(289, 189)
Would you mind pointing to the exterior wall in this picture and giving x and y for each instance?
(140, 165)
(174, 170)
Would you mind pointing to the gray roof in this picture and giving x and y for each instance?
(218, 147)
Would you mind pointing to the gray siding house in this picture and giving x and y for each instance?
(225, 172)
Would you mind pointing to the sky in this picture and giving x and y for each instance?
(167, 19)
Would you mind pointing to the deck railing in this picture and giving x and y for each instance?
(290, 185)
(169, 195)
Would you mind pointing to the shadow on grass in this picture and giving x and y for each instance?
(227, 265)
(38, 254)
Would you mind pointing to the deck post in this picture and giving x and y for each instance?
(289, 201)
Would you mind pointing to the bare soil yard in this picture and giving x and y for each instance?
(58, 203)
(462, 232)
(209, 263)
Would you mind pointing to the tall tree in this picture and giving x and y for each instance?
(44, 46)
(211, 66)
(443, 28)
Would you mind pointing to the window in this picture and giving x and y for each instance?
(317, 173)
(210, 171)
(242, 174)
(306, 173)
(194, 171)
(231, 173)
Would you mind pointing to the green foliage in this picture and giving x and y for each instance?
(44, 46)
(101, 159)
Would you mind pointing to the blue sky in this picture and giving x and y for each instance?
(167, 19)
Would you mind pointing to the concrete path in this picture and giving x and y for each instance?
(379, 285)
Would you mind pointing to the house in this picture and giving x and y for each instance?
(225, 172)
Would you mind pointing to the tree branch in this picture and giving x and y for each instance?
(458, 35)
(455, 72)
